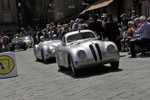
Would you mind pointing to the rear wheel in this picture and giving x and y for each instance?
(114, 65)
(25, 48)
(75, 71)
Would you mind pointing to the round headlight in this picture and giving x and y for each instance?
(81, 54)
(53, 51)
(111, 48)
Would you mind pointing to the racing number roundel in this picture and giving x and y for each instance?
(6, 64)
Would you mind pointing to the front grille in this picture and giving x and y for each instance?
(94, 52)
(99, 51)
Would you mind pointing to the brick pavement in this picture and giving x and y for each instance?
(39, 81)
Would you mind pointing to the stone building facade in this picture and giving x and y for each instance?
(8, 15)
(21, 13)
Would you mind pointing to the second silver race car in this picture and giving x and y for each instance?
(46, 50)
(82, 49)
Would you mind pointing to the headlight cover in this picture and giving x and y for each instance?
(81, 54)
(111, 48)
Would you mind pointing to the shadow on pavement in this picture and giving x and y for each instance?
(50, 61)
(90, 72)
(145, 55)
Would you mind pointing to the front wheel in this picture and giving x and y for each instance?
(114, 65)
(61, 68)
(25, 48)
(75, 71)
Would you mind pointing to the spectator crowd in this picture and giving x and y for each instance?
(130, 34)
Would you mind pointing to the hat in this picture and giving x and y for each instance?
(104, 15)
(72, 21)
(123, 15)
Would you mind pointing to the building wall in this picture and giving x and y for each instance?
(12, 12)
(111, 9)
(145, 8)
(128, 4)
(8, 18)
(64, 8)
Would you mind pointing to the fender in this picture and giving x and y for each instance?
(35, 49)
(45, 49)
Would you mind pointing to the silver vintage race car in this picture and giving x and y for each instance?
(82, 49)
(17, 43)
(28, 40)
(22, 42)
(46, 50)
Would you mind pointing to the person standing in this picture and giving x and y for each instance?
(112, 31)
(6, 43)
(1, 44)
(97, 27)
(39, 34)
(124, 21)
(60, 31)
(104, 19)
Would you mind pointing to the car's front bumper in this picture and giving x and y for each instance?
(90, 62)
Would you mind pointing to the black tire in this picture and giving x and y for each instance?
(114, 65)
(75, 71)
(61, 68)
(32, 44)
(25, 48)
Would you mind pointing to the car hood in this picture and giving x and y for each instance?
(52, 43)
(85, 43)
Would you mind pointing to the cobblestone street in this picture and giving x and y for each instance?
(39, 81)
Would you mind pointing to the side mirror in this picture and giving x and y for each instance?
(98, 37)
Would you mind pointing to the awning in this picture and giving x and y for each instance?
(69, 17)
(97, 4)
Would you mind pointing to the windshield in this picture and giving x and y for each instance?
(24, 38)
(80, 36)
(14, 39)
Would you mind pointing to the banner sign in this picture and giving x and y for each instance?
(8, 66)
